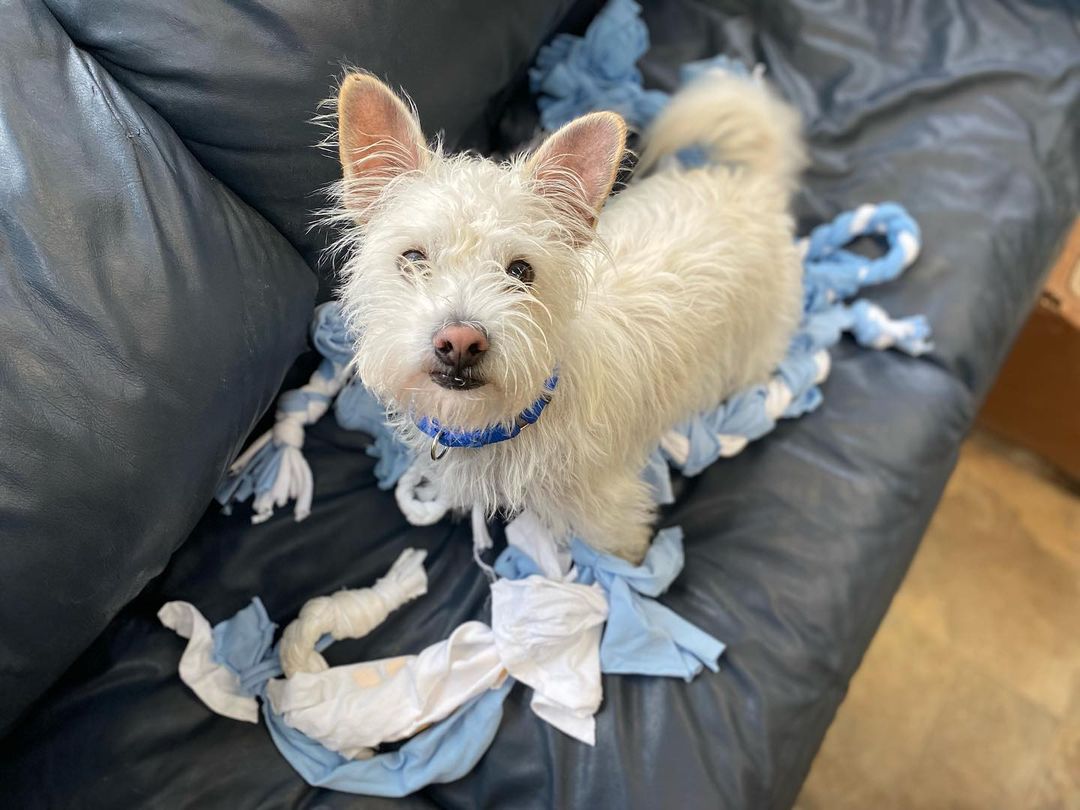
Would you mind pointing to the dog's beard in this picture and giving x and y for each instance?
(499, 388)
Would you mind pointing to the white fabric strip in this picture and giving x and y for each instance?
(526, 534)
(351, 709)
(351, 613)
(548, 636)
(214, 684)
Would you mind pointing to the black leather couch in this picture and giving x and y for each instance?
(157, 178)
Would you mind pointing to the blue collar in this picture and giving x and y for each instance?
(448, 437)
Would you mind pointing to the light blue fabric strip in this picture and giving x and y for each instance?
(642, 636)
(244, 641)
(513, 563)
(663, 562)
(356, 408)
(446, 751)
(442, 753)
(575, 75)
(257, 476)
(693, 70)
(329, 334)
(871, 326)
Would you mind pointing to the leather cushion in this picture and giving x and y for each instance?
(241, 82)
(147, 317)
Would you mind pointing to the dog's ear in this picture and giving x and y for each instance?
(379, 138)
(575, 167)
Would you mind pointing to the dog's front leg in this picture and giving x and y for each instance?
(616, 516)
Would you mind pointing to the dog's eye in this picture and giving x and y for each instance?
(414, 256)
(521, 270)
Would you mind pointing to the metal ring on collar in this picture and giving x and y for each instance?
(435, 455)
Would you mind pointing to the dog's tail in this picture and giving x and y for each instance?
(736, 119)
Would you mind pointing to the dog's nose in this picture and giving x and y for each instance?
(459, 345)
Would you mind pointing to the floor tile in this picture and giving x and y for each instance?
(969, 696)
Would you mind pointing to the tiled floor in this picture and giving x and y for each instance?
(969, 696)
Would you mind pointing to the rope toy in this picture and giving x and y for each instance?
(559, 616)
(350, 613)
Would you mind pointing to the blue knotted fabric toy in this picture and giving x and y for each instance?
(575, 75)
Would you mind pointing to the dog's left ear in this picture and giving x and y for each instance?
(379, 138)
(575, 167)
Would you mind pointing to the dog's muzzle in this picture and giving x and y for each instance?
(456, 379)
(458, 348)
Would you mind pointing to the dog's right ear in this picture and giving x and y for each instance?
(379, 138)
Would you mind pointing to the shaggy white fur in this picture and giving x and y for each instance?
(686, 289)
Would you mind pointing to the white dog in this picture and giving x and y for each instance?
(483, 292)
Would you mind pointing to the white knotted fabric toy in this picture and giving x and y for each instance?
(559, 617)
(350, 613)
(346, 614)
(545, 632)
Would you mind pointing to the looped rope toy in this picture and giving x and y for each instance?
(559, 616)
